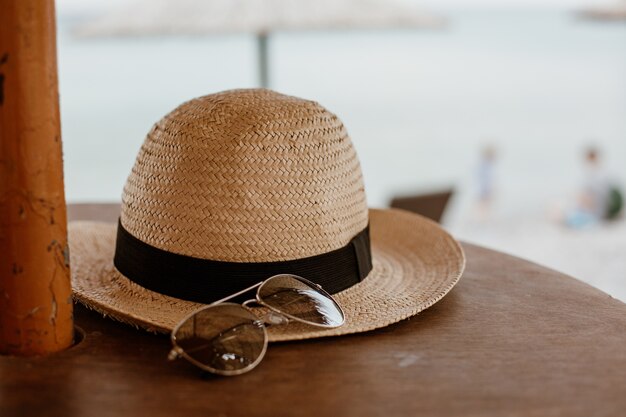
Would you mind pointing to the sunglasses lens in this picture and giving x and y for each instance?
(301, 300)
(226, 339)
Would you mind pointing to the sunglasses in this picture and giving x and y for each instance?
(229, 339)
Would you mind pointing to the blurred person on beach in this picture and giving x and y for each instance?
(599, 198)
(486, 181)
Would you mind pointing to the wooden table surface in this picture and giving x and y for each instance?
(511, 339)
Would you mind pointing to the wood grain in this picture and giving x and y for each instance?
(512, 339)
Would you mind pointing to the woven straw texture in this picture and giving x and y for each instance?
(246, 176)
(416, 263)
(257, 176)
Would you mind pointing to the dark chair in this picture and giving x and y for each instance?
(431, 205)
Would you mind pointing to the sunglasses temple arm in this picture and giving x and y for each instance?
(258, 284)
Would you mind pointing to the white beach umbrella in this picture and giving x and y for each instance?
(260, 17)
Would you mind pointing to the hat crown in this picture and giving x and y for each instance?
(246, 176)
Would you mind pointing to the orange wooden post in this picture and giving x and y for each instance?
(35, 292)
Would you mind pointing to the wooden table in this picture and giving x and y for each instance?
(512, 339)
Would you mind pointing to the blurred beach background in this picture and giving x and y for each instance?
(533, 81)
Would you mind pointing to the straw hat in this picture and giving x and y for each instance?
(233, 187)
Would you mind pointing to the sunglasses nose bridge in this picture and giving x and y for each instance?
(251, 303)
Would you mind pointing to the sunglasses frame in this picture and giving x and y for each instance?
(178, 352)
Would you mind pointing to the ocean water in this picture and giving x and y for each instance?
(539, 86)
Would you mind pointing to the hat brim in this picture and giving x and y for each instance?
(416, 263)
